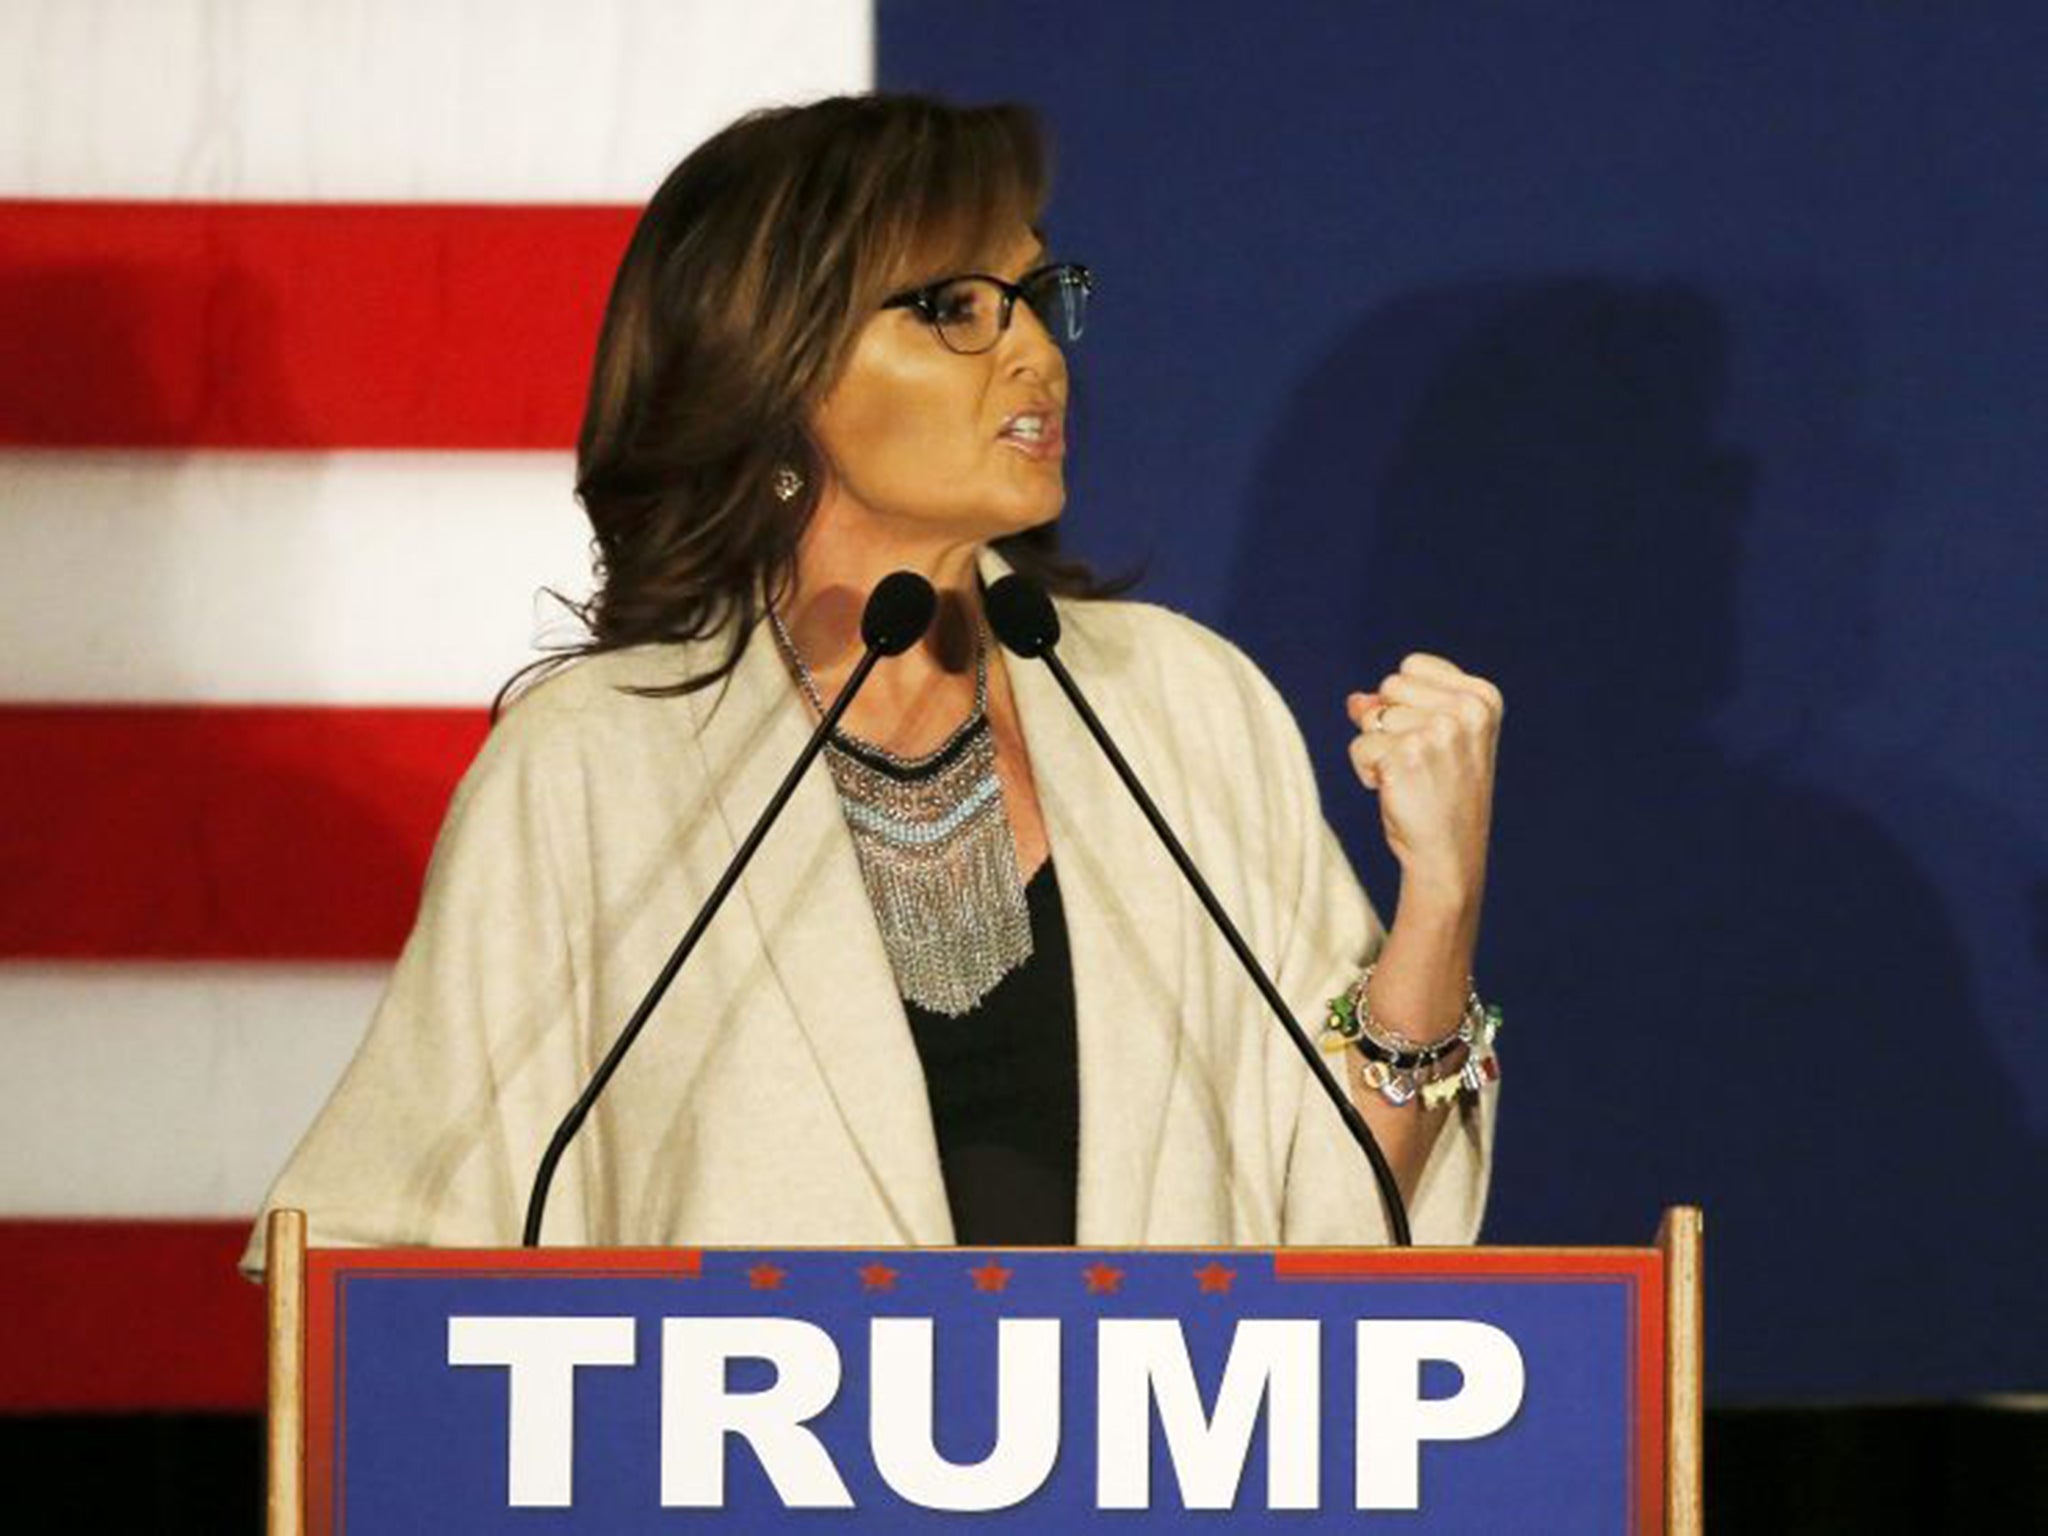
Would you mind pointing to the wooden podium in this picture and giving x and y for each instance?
(1455, 1389)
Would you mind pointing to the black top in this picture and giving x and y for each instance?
(1006, 1093)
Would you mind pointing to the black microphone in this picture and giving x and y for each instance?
(1025, 620)
(898, 613)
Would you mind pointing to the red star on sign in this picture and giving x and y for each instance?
(990, 1277)
(877, 1277)
(1215, 1278)
(766, 1277)
(1103, 1279)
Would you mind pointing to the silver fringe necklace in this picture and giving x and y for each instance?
(935, 850)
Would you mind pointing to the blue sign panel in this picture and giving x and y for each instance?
(941, 1390)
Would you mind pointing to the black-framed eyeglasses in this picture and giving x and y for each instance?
(970, 312)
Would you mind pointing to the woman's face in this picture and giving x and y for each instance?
(930, 441)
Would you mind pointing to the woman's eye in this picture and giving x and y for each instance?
(955, 305)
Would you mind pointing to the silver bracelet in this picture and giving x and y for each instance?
(1398, 1068)
(1391, 1042)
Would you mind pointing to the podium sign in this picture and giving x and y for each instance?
(1433, 1390)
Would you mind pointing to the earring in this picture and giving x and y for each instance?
(786, 482)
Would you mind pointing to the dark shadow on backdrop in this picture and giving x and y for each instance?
(1723, 985)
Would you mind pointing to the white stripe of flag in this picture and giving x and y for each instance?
(167, 1090)
(460, 101)
(282, 578)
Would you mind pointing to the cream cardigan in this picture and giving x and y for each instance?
(776, 1097)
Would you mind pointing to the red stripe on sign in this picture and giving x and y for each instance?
(127, 1317)
(221, 833)
(289, 326)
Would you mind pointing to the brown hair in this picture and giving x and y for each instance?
(746, 282)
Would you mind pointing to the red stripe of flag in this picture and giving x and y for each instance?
(285, 326)
(221, 832)
(127, 1316)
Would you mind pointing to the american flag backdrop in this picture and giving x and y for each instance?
(297, 302)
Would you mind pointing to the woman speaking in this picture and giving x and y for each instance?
(961, 995)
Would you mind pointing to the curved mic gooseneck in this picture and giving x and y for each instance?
(897, 614)
(1025, 620)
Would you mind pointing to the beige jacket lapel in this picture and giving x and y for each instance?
(1123, 921)
(810, 913)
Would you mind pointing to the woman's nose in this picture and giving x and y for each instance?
(1029, 346)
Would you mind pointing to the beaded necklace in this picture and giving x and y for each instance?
(935, 850)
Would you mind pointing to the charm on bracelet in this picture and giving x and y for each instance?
(1443, 1092)
(1340, 1025)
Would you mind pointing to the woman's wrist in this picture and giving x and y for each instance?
(1439, 893)
(1422, 972)
(1402, 1069)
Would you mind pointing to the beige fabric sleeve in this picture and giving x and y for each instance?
(435, 1128)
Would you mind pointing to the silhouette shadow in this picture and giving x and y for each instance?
(1724, 983)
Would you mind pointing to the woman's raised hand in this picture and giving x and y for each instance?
(1426, 742)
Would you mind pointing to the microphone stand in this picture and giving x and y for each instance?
(1382, 1171)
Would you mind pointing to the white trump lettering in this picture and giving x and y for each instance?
(1394, 1418)
(540, 1356)
(1143, 1360)
(1272, 1370)
(697, 1412)
(901, 1404)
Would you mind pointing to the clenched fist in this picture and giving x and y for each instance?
(1425, 744)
